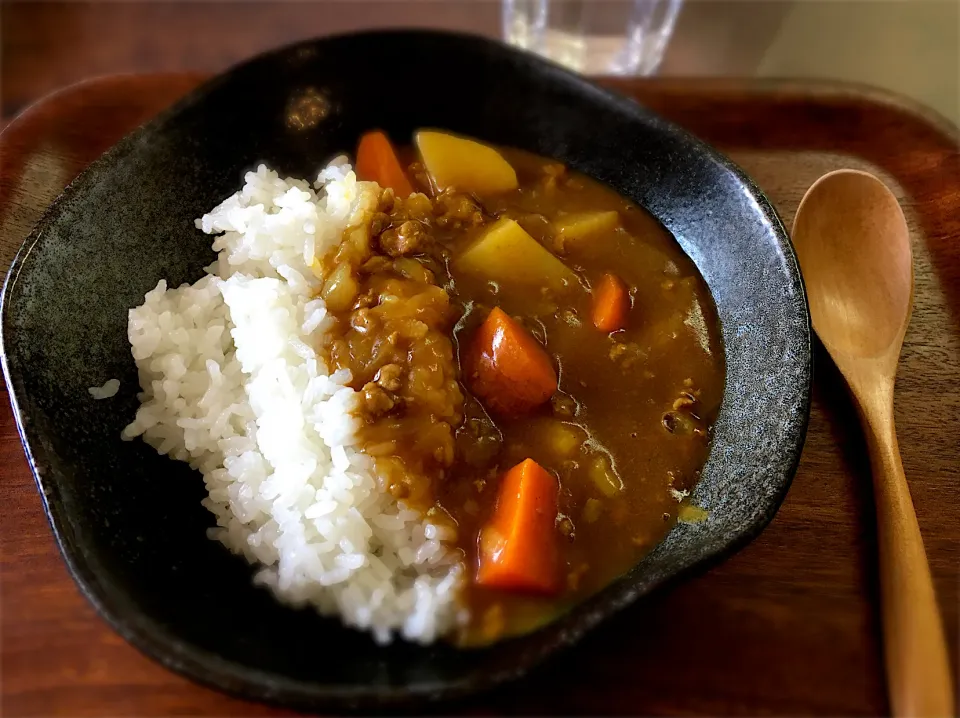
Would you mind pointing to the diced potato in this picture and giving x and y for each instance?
(462, 164)
(563, 438)
(592, 510)
(604, 477)
(506, 253)
(584, 225)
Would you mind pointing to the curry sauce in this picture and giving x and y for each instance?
(624, 429)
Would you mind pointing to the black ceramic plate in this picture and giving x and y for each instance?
(129, 522)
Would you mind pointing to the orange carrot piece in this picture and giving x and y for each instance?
(518, 548)
(377, 162)
(506, 367)
(611, 304)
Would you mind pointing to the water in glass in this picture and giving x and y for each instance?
(596, 37)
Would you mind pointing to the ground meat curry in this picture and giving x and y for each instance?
(539, 365)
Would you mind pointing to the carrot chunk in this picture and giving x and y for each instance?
(377, 162)
(507, 369)
(518, 548)
(611, 304)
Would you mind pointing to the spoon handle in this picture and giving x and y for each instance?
(918, 669)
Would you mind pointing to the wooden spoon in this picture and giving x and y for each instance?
(854, 249)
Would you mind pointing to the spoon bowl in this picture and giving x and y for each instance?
(863, 297)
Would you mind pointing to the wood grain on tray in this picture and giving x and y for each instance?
(790, 625)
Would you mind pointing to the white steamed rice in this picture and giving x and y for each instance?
(232, 385)
(107, 391)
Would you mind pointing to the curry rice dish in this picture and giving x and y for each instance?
(447, 390)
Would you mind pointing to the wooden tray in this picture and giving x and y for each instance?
(788, 626)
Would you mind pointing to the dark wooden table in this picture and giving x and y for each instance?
(788, 626)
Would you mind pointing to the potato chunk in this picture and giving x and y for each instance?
(584, 225)
(506, 253)
(563, 439)
(458, 163)
(604, 476)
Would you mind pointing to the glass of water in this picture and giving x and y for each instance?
(594, 37)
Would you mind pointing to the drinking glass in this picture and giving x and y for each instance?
(594, 37)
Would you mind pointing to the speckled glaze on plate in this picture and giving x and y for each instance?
(129, 522)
